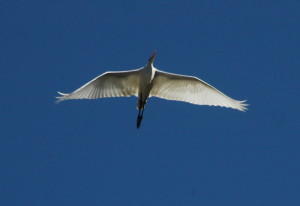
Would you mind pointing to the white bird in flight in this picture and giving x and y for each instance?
(148, 81)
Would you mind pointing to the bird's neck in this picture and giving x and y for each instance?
(149, 66)
(148, 69)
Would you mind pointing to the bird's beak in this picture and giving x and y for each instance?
(151, 59)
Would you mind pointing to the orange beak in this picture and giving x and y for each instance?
(152, 57)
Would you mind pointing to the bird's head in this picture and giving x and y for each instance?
(151, 59)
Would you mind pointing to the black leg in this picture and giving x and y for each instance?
(141, 106)
(139, 118)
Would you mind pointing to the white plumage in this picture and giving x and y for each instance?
(149, 81)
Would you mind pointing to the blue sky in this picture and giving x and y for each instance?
(90, 152)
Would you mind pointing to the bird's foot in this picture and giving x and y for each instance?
(139, 120)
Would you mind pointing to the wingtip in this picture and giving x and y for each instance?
(62, 94)
(243, 106)
(60, 98)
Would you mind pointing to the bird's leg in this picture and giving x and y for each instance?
(141, 112)
(139, 118)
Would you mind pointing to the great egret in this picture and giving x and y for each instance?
(148, 81)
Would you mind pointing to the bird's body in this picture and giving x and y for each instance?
(149, 81)
(146, 76)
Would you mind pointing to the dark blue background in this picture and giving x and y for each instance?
(90, 152)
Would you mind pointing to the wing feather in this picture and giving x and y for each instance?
(108, 84)
(191, 89)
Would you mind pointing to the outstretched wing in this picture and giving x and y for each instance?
(191, 89)
(109, 84)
